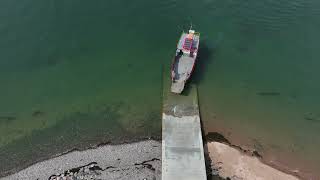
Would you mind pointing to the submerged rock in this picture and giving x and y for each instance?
(268, 93)
(311, 117)
(37, 113)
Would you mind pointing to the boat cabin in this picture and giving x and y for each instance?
(188, 44)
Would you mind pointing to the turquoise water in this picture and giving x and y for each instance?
(77, 73)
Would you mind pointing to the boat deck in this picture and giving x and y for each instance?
(182, 66)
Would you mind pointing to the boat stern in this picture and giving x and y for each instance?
(177, 87)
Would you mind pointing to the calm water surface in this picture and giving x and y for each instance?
(77, 73)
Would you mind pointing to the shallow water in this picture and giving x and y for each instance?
(77, 73)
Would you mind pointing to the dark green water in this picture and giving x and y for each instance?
(77, 73)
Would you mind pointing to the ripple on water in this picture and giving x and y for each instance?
(269, 15)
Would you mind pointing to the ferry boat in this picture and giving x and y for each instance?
(184, 60)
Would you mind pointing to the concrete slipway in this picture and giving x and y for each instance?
(182, 146)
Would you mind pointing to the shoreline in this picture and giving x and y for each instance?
(214, 137)
(218, 145)
(137, 159)
(296, 167)
(119, 141)
(142, 159)
(231, 163)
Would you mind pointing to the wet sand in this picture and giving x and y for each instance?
(142, 160)
(283, 161)
(229, 162)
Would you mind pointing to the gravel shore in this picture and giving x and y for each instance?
(142, 161)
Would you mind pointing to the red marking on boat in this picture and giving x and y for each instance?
(188, 41)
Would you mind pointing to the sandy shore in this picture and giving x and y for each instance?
(142, 160)
(229, 162)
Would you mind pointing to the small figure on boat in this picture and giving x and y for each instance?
(184, 61)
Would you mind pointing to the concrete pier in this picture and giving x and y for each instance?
(182, 146)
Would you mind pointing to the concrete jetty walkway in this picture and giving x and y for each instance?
(182, 146)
